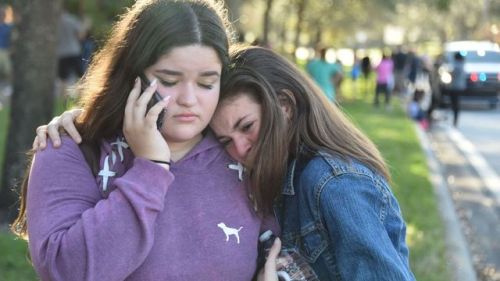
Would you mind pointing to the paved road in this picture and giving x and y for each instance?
(470, 163)
(482, 128)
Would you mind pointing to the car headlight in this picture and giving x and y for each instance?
(445, 77)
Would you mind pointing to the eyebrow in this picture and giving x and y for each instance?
(178, 73)
(235, 126)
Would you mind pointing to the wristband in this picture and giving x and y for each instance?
(160, 161)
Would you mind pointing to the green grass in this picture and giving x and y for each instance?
(395, 136)
(14, 262)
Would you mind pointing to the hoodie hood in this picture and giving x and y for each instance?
(203, 154)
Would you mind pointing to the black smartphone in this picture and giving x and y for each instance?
(155, 99)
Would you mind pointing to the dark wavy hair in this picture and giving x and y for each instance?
(145, 32)
(272, 81)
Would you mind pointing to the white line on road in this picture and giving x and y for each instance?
(487, 174)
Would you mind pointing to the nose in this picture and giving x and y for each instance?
(241, 148)
(187, 95)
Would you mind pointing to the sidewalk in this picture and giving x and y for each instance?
(468, 205)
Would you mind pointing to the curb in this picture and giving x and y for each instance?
(459, 259)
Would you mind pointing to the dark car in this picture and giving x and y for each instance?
(482, 66)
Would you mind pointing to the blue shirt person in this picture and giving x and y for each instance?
(323, 73)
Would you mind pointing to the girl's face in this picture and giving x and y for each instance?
(236, 124)
(191, 76)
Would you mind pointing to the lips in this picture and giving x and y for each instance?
(186, 117)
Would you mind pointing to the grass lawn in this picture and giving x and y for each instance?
(395, 136)
(14, 263)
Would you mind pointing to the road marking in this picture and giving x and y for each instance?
(487, 174)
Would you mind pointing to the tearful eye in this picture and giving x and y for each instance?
(225, 142)
(247, 127)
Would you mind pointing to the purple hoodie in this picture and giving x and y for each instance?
(137, 221)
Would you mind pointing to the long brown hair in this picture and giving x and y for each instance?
(148, 30)
(315, 123)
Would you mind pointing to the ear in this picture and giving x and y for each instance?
(287, 102)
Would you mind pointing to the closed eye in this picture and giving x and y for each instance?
(225, 141)
(247, 127)
(168, 83)
(206, 86)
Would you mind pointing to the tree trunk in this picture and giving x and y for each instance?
(301, 6)
(319, 35)
(34, 73)
(267, 23)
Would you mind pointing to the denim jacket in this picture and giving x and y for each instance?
(344, 219)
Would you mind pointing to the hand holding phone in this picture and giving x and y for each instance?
(156, 98)
(140, 128)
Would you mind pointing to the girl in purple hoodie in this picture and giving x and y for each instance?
(137, 200)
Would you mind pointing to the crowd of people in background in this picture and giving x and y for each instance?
(75, 46)
(404, 73)
(6, 27)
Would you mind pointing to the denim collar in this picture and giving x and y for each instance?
(289, 189)
(303, 156)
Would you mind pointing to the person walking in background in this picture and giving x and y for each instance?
(366, 69)
(457, 85)
(5, 40)
(355, 74)
(324, 74)
(384, 79)
(414, 67)
(399, 59)
(69, 50)
(338, 79)
(89, 45)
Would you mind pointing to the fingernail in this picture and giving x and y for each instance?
(166, 101)
(78, 140)
(153, 83)
(137, 79)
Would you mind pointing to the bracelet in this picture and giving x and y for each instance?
(161, 162)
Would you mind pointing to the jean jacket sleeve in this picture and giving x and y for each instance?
(366, 228)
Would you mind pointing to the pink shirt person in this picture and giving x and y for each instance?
(384, 70)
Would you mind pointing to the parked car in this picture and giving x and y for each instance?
(482, 65)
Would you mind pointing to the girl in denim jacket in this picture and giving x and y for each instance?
(325, 181)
